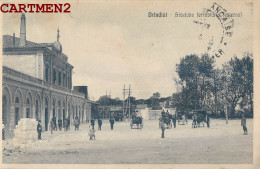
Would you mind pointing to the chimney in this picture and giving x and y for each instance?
(13, 39)
(23, 31)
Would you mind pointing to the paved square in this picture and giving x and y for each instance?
(220, 144)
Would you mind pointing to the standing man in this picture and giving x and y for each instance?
(65, 124)
(99, 123)
(243, 123)
(60, 124)
(112, 121)
(69, 123)
(93, 123)
(52, 125)
(39, 130)
(3, 130)
(162, 126)
(208, 120)
(55, 123)
(174, 120)
(76, 123)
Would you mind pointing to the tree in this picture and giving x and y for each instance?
(238, 81)
(196, 78)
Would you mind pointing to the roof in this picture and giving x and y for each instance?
(8, 43)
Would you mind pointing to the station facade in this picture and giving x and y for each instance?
(37, 83)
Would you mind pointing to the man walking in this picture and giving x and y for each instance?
(162, 126)
(60, 124)
(99, 123)
(208, 120)
(39, 130)
(174, 120)
(52, 125)
(112, 121)
(76, 123)
(243, 123)
(93, 123)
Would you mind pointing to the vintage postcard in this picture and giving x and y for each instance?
(130, 84)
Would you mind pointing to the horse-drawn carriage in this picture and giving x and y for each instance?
(198, 117)
(136, 121)
(167, 120)
(182, 119)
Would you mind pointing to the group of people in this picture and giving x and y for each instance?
(165, 116)
(92, 130)
(66, 124)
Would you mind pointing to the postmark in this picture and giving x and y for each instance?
(217, 26)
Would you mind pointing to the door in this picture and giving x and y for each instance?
(46, 119)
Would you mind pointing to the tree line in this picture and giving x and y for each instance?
(204, 86)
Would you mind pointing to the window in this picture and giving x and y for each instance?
(17, 100)
(54, 76)
(59, 78)
(46, 74)
(64, 80)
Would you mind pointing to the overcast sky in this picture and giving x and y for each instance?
(111, 44)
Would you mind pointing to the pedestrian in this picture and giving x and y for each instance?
(65, 123)
(99, 123)
(93, 123)
(52, 125)
(69, 123)
(39, 130)
(60, 124)
(208, 120)
(3, 130)
(91, 133)
(243, 123)
(76, 123)
(174, 120)
(162, 126)
(55, 123)
(112, 121)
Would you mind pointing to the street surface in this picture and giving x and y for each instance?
(220, 144)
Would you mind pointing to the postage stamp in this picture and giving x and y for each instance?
(129, 84)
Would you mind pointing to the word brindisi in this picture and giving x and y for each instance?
(35, 8)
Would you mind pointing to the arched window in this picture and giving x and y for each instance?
(17, 100)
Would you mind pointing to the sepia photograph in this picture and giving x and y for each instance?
(140, 84)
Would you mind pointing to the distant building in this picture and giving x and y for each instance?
(37, 83)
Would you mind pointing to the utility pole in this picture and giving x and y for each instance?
(127, 105)
(129, 102)
(124, 103)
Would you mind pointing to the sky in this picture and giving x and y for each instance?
(112, 43)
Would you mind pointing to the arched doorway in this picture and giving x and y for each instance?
(6, 101)
(4, 109)
(46, 114)
(38, 108)
(63, 112)
(18, 107)
(59, 110)
(53, 108)
(28, 105)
